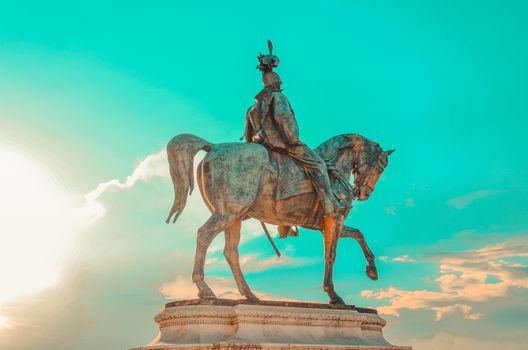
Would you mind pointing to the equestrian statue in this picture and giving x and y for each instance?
(277, 179)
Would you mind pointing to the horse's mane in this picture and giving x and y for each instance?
(331, 148)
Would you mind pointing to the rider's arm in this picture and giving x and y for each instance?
(248, 127)
(285, 119)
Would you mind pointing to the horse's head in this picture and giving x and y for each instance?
(355, 154)
(367, 167)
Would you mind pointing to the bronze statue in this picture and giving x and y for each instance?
(277, 179)
(271, 122)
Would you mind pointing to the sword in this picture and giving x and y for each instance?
(270, 239)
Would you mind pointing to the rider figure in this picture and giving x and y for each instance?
(271, 122)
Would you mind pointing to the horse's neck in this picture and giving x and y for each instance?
(345, 163)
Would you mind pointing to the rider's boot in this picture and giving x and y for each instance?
(287, 231)
(283, 231)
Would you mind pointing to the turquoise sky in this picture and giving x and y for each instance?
(88, 91)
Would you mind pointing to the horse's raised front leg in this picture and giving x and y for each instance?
(330, 238)
(371, 270)
(232, 239)
(216, 224)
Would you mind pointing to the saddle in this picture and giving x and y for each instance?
(292, 179)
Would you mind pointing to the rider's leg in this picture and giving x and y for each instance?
(318, 173)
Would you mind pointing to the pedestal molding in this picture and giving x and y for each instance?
(228, 325)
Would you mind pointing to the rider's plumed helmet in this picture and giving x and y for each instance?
(266, 65)
(269, 61)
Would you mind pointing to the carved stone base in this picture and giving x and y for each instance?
(233, 324)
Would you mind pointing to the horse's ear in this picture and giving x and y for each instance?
(389, 152)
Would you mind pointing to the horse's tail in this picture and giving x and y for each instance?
(180, 153)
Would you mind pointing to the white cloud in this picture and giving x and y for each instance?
(404, 259)
(183, 288)
(465, 200)
(253, 263)
(409, 202)
(390, 210)
(464, 279)
(444, 341)
(465, 310)
(151, 166)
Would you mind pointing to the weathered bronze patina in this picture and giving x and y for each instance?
(277, 179)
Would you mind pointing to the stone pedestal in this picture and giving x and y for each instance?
(235, 324)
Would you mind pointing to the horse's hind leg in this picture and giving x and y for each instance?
(371, 270)
(232, 239)
(216, 224)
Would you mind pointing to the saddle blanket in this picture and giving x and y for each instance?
(292, 179)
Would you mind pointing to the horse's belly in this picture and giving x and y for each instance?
(292, 211)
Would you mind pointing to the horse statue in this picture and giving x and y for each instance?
(238, 181)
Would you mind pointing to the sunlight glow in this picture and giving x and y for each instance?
(4, 323)
(34, 233)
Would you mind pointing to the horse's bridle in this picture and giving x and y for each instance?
(360, 180)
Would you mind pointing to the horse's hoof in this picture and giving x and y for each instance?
(206, 294)
(372, 272)
(252, 298)
(336, 300)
